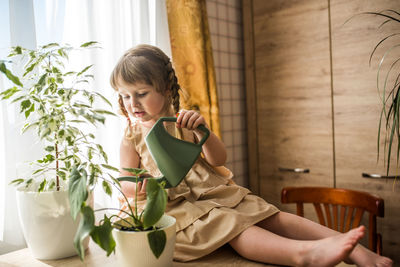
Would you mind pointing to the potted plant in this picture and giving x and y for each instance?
(145, 238)
(57, 104)
(388, 85)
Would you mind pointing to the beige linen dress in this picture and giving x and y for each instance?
(210, 209)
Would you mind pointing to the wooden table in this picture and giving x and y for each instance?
(95, 256)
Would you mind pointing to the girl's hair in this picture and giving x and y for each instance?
(146, 64)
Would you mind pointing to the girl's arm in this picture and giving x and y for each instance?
(129, 158)
(213, 149)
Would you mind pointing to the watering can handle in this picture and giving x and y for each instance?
(201, 127)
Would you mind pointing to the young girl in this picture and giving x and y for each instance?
(211, 210)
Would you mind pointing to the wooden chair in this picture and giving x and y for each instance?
(334, 201)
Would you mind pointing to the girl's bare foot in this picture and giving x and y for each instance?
(364, 257)
(332, 250)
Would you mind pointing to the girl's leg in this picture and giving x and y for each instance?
(296, 227)
(256, 243)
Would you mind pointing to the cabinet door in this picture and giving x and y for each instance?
(292, 99)
(357, 108)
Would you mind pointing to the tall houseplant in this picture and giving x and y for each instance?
(388, 85)
(145, 238)
(59, 107)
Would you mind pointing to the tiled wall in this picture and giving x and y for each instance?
(224, 18)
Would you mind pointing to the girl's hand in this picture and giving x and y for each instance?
(189, 119)
(213, 149)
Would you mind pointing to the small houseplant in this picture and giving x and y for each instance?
(57, 104)
(388, 87)
(145, 238)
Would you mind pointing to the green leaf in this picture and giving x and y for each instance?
(157, 240)
(25, 104)
(104, 99)
(107, 188)
(29, 111)
(49, 148)
(9, 75)
(50, 45)
(28, 182)
(115, 180)
(135, 171)
(17, 181)
(77, 190)
(30, 68)
(37, 171)
(102, 235)
(84, 70)
(52, 185)
(110, 167)
(9, 92)
(102, 111)
(87, 44)
(85, 228)
(42, 185)
(156, 201)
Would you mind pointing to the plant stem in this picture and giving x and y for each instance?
(57, 177)
(136, 214)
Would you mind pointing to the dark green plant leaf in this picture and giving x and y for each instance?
(42, 185)
(25, 104)
(49, 148)
(157, 240)
(85, 228)
(30, 110)
(156, 201)
(9, 75)
(77, 190)
(102, 235)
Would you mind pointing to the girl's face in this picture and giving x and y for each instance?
(142, 101)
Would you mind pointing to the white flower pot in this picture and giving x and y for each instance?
(133, 250)
(47, 223)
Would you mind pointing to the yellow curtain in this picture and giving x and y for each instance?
(192, 58)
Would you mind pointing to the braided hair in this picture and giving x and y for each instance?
(146, 64)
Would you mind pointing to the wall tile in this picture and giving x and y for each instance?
(226, 38)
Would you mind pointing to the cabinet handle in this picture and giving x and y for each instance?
(378, 176)
(297, 170)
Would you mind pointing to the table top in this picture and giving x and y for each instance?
(95, 256)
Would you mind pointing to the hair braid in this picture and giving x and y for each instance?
(173, 85)
(124, 111)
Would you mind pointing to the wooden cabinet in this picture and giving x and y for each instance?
(312, 101)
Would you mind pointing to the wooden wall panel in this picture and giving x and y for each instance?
(252, 138)
(293, 96)
(357, 108)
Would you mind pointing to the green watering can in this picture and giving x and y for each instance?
(174, 157)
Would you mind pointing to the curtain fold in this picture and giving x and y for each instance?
(192, 57)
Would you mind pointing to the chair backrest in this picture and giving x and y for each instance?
(343, 208)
